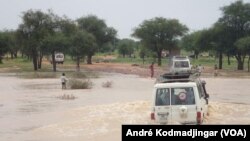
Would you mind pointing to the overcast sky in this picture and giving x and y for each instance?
(123, 15)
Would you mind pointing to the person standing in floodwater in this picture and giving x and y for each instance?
(151, 67)
(63, 80)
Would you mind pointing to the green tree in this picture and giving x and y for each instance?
(3, 45)
(98, 28)
(235, 20)
(12, 43)
(198, 41)
(35, 27)
(54, 43)
(81, 43)
(220, 41)
(160, 34)
(126, 47)
(243, 44)
(143, 52)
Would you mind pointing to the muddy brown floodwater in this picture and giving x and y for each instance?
(32, 110)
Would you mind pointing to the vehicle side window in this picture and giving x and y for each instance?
(200, 90)
(182, 96)
(162, 97)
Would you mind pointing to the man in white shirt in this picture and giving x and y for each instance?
(63, 80)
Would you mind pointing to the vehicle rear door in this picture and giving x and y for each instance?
(162, 105)
(183, 107)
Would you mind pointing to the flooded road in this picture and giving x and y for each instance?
(31, 109)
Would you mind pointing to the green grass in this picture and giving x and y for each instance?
(19, 65)
(22, 65)
(24, 69)
(210, 62)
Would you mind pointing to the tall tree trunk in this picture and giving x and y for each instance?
(240, 61)
(89, 59)
(220, 59)
(77, 63)
(228, 60)
(248, 63)
(54, 61)
(15, 54)
(40, 59)
(196, 54)
(159, 58)
(240, 65)
(1, 59)
(12, 55)
(34, 60)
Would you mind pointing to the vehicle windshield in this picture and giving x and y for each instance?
(181, 64)
(178, 96)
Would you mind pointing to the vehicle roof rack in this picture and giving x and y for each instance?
(177, 77)
(180, 57)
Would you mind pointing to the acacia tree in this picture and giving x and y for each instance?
(235, 20)
(220, 41)
(126, 47)
(98, 28)
(243, 45)
(189, 43)
(54, 43)
(12, 43)
(159, 34)
(59, 41)
(81, 42)
(35, 27)
(3, 45)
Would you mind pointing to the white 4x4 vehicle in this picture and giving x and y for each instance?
(179, 99)
(179, 64)
(59, 58)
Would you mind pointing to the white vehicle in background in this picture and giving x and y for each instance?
(179, 99)
(179, 64)
(59, 58)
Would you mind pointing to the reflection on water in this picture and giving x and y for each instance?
(31, 109)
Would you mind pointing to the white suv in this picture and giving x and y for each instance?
(179, 99)
(59, 58)
(179, 64)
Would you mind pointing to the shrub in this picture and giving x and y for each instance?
(80, 84)
(107, 84)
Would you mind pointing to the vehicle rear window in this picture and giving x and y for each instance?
(182, 96)
(181, 64)
(162, 97)
(59, 56)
